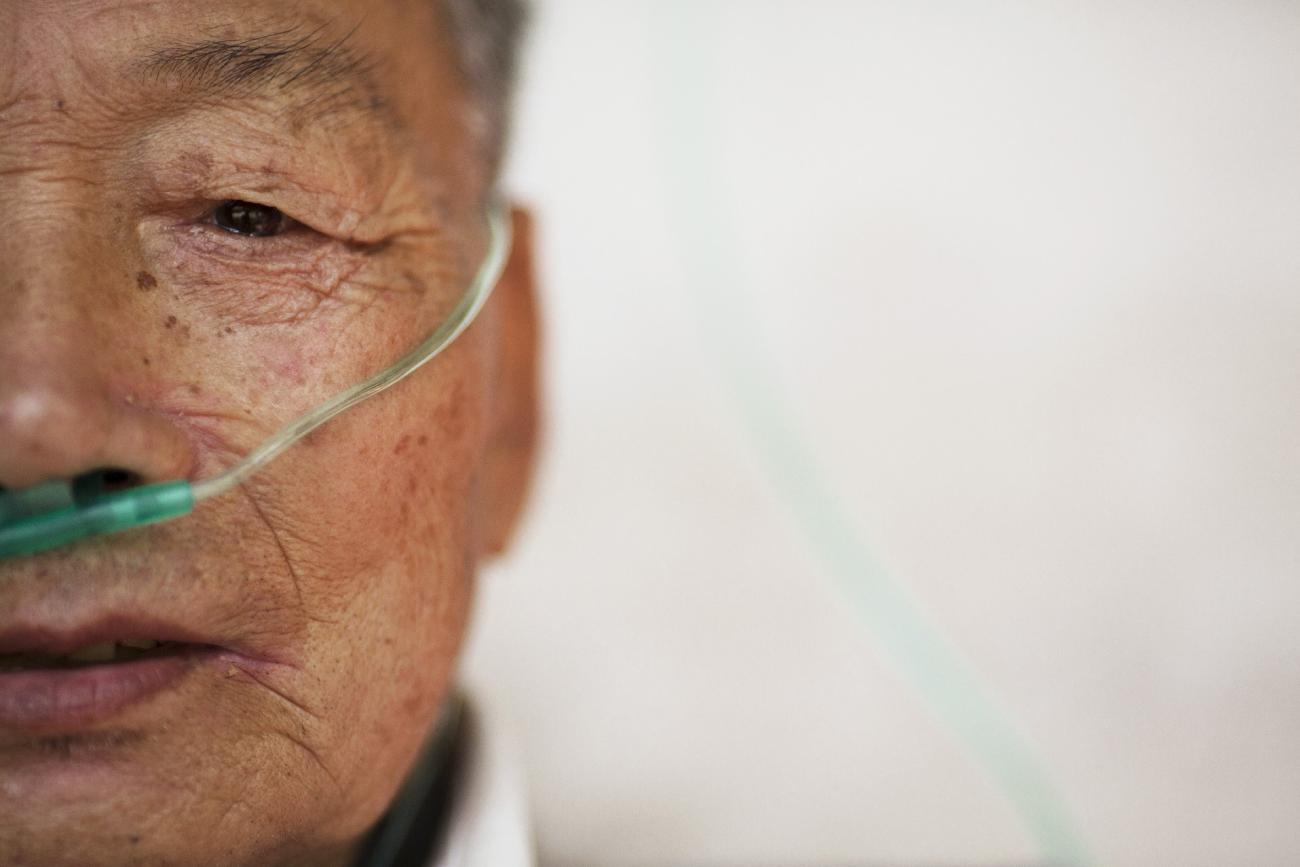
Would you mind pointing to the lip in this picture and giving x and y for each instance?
(53, 700)
(45, 639)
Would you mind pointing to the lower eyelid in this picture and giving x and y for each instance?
(213, 239)
(251, 285)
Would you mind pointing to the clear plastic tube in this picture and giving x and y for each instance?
(57, 513)
(460, 318)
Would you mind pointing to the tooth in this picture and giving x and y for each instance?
(102, 652)
(139, 644)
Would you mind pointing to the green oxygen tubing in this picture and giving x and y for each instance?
(690, 105)
(59, 512)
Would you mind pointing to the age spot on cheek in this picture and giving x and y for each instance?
(146, 281)
(171, 322)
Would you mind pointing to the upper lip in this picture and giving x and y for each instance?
(54, 640)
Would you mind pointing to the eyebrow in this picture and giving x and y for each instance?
(323, 76)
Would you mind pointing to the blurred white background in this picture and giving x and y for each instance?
(1024, 279)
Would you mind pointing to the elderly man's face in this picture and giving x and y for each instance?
(151, 323)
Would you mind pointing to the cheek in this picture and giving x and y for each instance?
(373, 515)
(377, 509)
(399, 590)
(391, 483)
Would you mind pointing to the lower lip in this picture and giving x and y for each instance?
(60, 699)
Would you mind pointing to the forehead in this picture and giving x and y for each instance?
(388, 57)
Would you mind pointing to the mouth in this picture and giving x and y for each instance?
(63, 682)
(99, 654)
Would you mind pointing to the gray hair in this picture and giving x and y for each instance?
(487, 36)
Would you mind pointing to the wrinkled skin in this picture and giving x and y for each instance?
(135, 333)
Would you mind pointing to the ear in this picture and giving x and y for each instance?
(512, 439)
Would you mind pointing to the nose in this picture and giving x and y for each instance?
(72, 400)
(60, 417)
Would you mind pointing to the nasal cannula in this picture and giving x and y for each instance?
(58, 512)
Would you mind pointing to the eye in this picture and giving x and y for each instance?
(250, 218)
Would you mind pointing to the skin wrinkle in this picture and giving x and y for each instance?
(216, 452)
(268, 176)
(279, 693)
(100, 99)
(389, 210)
(328, 207)
(52, 177)
(326, 80)
(275, 535)
(277, 532)
(302, 744)
(358, 311)
(231, 806)
(347, 574)
(330, 276)
(333, 267)
(294, 293)
(355, 591)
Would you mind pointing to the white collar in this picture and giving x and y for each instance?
(489, 825)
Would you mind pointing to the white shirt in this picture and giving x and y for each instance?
(489, 824)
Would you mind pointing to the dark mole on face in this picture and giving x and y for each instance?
(145, 281)
(171, 322)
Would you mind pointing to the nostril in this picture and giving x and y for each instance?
(116, 479)
(106, 480)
